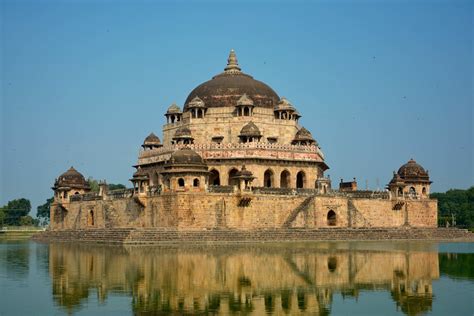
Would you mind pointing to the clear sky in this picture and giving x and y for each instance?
(377, 82)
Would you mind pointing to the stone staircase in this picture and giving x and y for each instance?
(301, 208)
(97, 235)
(165, 235)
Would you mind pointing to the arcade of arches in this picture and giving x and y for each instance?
(273, 177)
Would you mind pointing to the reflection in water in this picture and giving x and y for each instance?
(15, 260)
(244, 279)
(457, 265)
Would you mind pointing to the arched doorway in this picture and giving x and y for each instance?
(232, 174)
(300, 180)
(412, 192)
(285, 179)
(331, 218)
(423, 191)
(196, 182)
(268, 179)
(214, 178)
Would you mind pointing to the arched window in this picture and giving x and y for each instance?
(90, 218)
(77, 193)
(331, 218)
(232, 180)
(196, 182)
(412, 192)
(246, 111)
(214, 178)
(400, 191)
(300, 180)
(423, 191)
(268, 178)
(181, 182)
(285, 179)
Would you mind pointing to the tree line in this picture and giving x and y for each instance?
(456, 207)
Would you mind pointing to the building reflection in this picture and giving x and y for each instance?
(244, 279)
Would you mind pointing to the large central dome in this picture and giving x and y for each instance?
(226, 88)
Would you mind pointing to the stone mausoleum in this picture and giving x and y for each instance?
(235, 157)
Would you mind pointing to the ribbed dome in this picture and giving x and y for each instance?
(186, 156)
(226, 88)
(152, 140)
(71, 178)
(303, 134)
(412, 170)
(250, 130)
(173, 109)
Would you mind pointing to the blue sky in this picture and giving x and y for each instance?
(377, 82)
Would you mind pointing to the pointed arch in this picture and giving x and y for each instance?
(300, 180)
(214, 177)
(268, 180)
(285, 179)
(331, 218)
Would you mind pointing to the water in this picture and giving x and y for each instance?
(320, 278)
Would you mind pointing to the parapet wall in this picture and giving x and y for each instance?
(244, 211)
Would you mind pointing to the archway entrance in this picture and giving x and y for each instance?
(214, 178)
(331, 218)
(268, 179)
(90, 218)
(300, 180)
(285, 179)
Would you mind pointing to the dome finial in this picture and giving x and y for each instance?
(232, 63)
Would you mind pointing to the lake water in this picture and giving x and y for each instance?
(320, 278)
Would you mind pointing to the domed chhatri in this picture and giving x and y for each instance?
(226, 88)
(411, 180)
(70, 183)
(234, 156)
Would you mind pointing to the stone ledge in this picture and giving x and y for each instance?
(167, 235)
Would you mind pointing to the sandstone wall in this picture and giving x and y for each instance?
(247, 211)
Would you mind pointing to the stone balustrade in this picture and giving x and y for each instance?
(237, 150)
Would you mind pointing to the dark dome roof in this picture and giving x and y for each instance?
(250, 130)
(183, 131)
(412, 170)
(71, 178)
(303, 134)
(226, 88)
(186, 156)
(151, 140)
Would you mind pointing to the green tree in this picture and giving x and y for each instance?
(118, 186)
(459, 203)
(93, 184)
(42, 211)
(15, 209)
(2, 215)
(28, 221)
